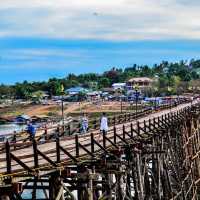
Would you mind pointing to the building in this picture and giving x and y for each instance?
(39, 118)
(141, 82)
(118, 86)
(22, 119)
(108, 90)
(40, 95)
(95, 95)
(76, 90)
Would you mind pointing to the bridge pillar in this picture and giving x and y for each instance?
(119, 181)
(90, 185)
(106, 185)
(82, 192)
(134, 175)
(6, 192)
(9, 191)
(56, 187)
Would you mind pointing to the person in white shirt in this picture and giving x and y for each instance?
(104, 123)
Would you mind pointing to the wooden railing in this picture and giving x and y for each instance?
(94, 124)
(112, 139)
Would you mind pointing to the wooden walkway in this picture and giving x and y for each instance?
(54, 154)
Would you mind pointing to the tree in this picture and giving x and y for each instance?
(104, 82)
(167, 73)
(113, 75)
(23, 90)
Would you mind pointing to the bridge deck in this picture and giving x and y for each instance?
(68, 143)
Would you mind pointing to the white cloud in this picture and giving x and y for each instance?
(100, 19)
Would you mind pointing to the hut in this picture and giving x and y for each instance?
(22, 119)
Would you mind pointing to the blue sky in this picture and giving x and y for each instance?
(43, 39)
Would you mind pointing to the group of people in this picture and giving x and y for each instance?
(31, 129)
(85, 123)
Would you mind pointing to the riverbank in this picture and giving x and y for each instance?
(55, 109)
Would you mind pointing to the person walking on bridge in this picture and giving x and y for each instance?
(104, 123)
(31, 130)
(84, 124)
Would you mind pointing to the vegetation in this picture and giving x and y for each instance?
(173, 78)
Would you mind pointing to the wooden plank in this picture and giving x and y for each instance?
(60, 194)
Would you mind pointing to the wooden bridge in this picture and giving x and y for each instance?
(155, 155)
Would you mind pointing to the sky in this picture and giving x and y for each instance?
(48, 38)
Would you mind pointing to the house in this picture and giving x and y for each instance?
(40, 97)
(118, 86)
(40, 94)
(95, 95)
(109, 90)
(39, 118)
(22, 119)
(76, 90)
(141, 82)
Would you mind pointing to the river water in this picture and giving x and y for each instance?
(7, 129)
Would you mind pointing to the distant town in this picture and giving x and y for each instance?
(114, 92)
(141, 83)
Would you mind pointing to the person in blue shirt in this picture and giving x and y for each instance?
(31, 130)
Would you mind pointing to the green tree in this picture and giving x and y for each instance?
(104, 82)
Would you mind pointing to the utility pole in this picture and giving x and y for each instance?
(62, 110)
(169, 90)
(62, 105)
(155, 89)
(136, 88)
(121, 104)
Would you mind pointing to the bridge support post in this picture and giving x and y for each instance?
(106, 185)
(119, 189)
(34, 191)
(6, 192)
(10, 191)
(8, 158)
(82, 192)
(90, 185)
(56, 187)
(134, 175)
